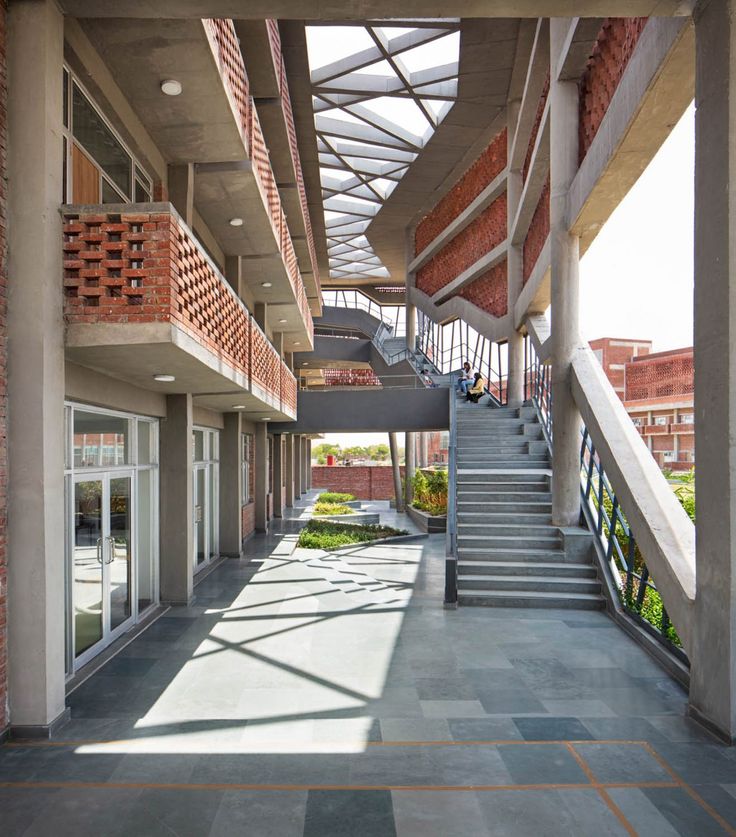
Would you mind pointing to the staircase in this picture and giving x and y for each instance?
(509, 553)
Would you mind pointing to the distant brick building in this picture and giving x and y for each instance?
(657, 391)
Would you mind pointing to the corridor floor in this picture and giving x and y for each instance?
(324, 695)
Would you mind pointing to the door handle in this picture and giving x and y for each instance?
(111, 543)
(99, 550)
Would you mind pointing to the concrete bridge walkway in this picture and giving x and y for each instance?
(314, 694)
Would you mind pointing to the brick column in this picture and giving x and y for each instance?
(36, 556)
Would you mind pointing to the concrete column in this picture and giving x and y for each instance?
(176, 478)
(261, 466)
(231, 491)
(563, 96)
(410, 467)
(181, 190)
(278, 475)
(277, 341)
(411, 326)
(424, 449)
(289, 471)
(260, 315)
(289, 360)
(394, 448)
(233, 272)
(713, 652)
(514, 272)
(305, 464)
(298, 467)
(35, 329)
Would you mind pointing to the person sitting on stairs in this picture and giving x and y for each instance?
(477, 390)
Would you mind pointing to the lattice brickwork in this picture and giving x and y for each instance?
(489, 292)
(614, 47)
(656, 377)
(266, 365)
(536, 234)
(483, 171)
(144, 267)
(351, 378)
(288, 391)
(535, 129)
(476, 240)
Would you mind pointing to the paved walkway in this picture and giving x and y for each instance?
(324, 695)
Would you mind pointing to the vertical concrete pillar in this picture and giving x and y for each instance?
(514, 272)
(181, 190)
(289, 360)
(396, 468)
(231, 492)
(424, 449)
(176, 526)
(261, 466)
(289, 471)
(309, 464)
(278, 475)
(411, 326)
(233, 272)
(713, 655)
(410, 466)
(260, 315)
(277, 341)
(304, 464)
(35, 330)
(563, 97)
(298, 466)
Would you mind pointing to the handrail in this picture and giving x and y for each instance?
(451, 536)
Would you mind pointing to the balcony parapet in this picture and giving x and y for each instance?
(135, 277)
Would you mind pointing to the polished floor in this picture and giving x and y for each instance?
(331, 694)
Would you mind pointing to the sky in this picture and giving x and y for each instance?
(636, 280)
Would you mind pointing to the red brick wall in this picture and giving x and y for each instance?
(3, 403)
(483, 171)
(536, 234)
(613, 50)
(249, 519)
(366, 482)
(486, 232)
(663, 374)
(535, 130)
(489, 292)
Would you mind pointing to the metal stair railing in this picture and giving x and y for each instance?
(451, 536)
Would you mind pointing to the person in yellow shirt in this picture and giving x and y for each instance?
(478, 388)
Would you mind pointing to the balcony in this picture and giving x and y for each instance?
(214, 125)
(141, 297)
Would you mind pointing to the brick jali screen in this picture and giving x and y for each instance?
(536, 234)
(667, 376)
(489, 292)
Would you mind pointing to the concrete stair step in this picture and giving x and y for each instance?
(500, 478)
(529, 584)
(478, 526)
(511, 553)
(493, 497)
(502, 518)
(508, 541)
(510, 598)
(505, 464)
(558, 569)
(489, 506)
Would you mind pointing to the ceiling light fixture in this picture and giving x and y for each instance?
(238, 406)
(236, 222)
(266, 284)
(305, 363)
(265, 418)
(164, 379)
(297, 342)
(282, 321)
(171, 87)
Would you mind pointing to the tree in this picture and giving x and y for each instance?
(324, 450)
(356, 451)
(378, 453)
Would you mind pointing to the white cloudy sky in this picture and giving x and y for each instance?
(637, 276)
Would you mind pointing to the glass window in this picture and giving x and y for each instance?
(65, 94)
(145, 443)
(687, 418)
(245, 473)
(110, 194)
(93, 134)
(198, 445)
(142, 193)
(100, 440)
(661, 420)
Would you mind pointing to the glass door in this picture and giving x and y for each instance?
(102, 571)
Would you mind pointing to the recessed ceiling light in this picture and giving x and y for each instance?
(305, 363)
(282, 321)
(164, 379)
(297, 342)
(238, 406)
(265, 418)
(236, 222)
(266, 284)
(171, 87)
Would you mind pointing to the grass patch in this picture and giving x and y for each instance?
(332, 508)
(335, 497)
(321, 534)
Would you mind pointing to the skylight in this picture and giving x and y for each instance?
(379, 92)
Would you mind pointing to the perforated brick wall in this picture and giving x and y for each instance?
(611, 54)
(476, 240)
(366, 482)
(482, 172)
(658, 375)
(535, 129)
(351, 378)
(536, 234)
(3, 399)
(489, 292)
(266, 363)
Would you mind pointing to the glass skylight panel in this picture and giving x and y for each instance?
(379, 91)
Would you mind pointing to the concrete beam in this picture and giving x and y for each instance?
(536, 295)
(520, 129)
(379, 410)
(494, 328)
(577, 47)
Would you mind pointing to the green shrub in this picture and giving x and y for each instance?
(334, 497)
(430, 491)
(323, 534)
(332, 508)
(651, 609)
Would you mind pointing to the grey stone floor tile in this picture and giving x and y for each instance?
(425, 813)
(585, 707)
(277, 813)
(452, 708)
(484, 729)
(511, 702)
(341, 813)
(683, 812)
(623, 729)
(541, 764)
(642, 813)
(438, 688)
(19, 807)
(185, 813)
(393, 766)
(415, 729)
(622, 763)
(551, 728)
(696, 764)
(722, 798)
(468, 765)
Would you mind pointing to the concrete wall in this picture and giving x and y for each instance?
(3, 400)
